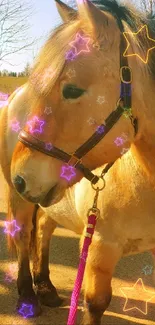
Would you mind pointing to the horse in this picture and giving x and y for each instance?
(72, 90)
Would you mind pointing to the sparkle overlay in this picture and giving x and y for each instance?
(71, 73)
(15, 125)
(100, 100)
(48, 146)
(147, 270)
(119, 141)
(91, 121)
(48, 110)
(11, 227)
(47, 76)
(143, 29)
(35, 125)
(12, 273)
(68, 172)
(127, 112)
(79, 45)
(26, 310)
(100, 129)
(124, 150)
(137, 289)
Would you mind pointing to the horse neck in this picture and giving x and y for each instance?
(143, 99)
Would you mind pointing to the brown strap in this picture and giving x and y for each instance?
(34, 143)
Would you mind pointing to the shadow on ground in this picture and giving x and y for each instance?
(64, 254)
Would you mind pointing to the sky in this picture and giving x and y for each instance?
(44, 19)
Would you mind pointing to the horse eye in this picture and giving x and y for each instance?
(70, 91)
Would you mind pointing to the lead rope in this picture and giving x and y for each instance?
(92, 218)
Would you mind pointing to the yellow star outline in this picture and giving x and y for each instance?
(149, 295)
(128, 44)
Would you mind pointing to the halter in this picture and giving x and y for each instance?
(123, 104)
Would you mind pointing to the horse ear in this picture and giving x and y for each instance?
(91, 15)
(65, 11)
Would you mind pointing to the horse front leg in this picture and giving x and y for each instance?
(22, 212)
(46, 291)
(102, 259)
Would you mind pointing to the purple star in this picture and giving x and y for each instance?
(35, 125)
(119, 142)
(26, 310)
(68, 172)
(70, 55)
(13, 227)
(8, 277)
(48, 146)
(15, 125)
(100, 129)
(4, 96)
(81, 42)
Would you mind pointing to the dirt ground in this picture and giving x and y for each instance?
(135, 305)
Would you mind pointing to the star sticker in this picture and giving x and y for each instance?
(71, 73)
(68, 172)
(80, 42)
(100, 129)
(3, 96)
(138, 288)
(100, 99)
(122, 92)
(70, 55)
(26, 310)
(48, 146)
(119, 141)
(35, 125)
(127, 112)
(8, 277)
(91, 121)
(33, 78)
(125, 137)
(12, 273)
(47, 76)
(124, 150)
(3, 103)
(11, 227)
(152, 43)
(15, 125)
(48, 110)
(147, 269)
(83, 256)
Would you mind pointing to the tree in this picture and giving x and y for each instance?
(27, 70)
(14, 27)
(148, 6)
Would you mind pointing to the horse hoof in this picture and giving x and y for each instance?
(28, 306)
(48, 296)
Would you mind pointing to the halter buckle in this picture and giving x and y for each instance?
(122, 74)
(73, 161)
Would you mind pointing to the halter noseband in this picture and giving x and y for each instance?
(75, 159)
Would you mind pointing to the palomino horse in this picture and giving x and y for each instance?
(74, 84)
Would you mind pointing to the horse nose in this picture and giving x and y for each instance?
(19, 184)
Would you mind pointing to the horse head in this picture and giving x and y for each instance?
(73, 87)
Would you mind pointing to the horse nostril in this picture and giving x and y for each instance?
(19, 184)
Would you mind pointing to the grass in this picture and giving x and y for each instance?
(9, 84)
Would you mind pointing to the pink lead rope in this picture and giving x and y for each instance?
(79, 278)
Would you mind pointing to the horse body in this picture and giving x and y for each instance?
(132, 207)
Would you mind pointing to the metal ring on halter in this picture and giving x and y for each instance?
(100, 189)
